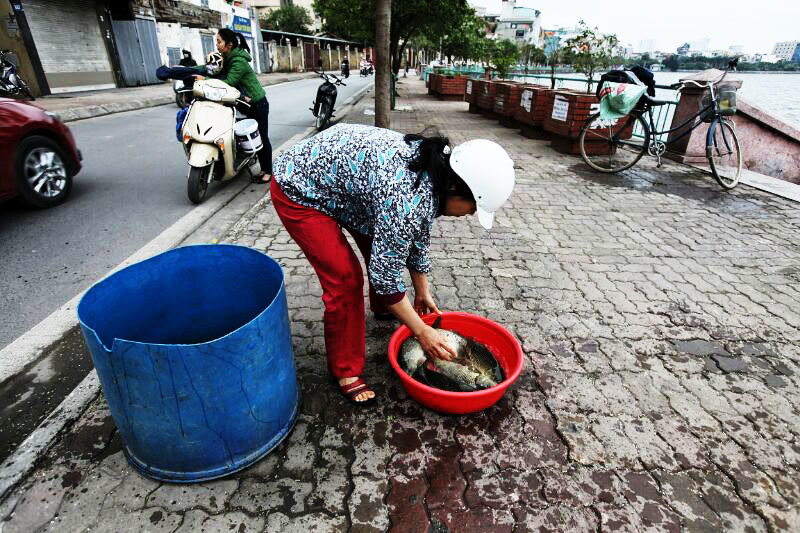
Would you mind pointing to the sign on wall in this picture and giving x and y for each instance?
(242, 25)
(526, 100)
(560, 108)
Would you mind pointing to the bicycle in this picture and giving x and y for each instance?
(611, 148)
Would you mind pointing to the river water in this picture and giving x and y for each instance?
(778, 94)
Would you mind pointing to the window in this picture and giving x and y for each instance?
(174, 55)
(520, 33)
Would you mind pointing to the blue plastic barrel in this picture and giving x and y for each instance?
(194, 355)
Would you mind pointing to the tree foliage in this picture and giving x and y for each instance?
(290, 18)
(355, 19)
(590, 50)
(466, 41)
(502, 56)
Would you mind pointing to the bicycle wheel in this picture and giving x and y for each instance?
(613, 148)
(724, 156)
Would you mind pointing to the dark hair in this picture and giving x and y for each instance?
(233, 38)
(430, 158)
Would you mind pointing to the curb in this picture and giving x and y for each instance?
(92, 111)
(29, 346)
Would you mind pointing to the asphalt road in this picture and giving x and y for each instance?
(131, 188)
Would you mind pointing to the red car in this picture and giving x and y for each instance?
(39, 156)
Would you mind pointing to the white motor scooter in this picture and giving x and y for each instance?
(218, 140)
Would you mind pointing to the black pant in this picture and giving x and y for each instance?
(260, 112)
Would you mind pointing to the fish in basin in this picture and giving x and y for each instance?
(474, 368)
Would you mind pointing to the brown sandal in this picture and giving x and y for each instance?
(351, 390)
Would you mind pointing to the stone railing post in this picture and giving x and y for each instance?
(691, 148)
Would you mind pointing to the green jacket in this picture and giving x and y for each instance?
(237, 72)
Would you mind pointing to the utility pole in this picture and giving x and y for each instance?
(383, 12)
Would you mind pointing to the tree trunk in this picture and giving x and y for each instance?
(383, 14)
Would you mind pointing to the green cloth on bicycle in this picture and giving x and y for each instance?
(618, 99)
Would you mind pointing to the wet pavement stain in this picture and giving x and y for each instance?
(31, 395)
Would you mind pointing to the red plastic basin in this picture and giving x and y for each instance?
(503, 345)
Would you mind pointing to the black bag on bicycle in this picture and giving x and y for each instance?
(645, 75)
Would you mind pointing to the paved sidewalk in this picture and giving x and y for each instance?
(660, 318)
(76, 106)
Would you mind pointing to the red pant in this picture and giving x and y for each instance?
(340, 275)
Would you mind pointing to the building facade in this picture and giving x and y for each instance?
(521, 24)
(786, 50)
(79, 45)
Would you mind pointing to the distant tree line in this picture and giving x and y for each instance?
(676, 62)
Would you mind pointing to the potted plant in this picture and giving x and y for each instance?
(588, 52)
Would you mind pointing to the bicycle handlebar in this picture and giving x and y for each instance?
(704, 84)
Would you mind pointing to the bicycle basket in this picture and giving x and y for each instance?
(726, 96)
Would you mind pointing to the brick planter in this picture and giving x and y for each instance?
(434, 82)
(506, 101)
(484, 99)
(531, 110)
(451, 88)
(567, 113)
(471, 95)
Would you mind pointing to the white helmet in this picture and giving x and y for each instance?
(488, 171)
(213, 63)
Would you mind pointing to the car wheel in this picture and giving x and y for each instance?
(41, 172)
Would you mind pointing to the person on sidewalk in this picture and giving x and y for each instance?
(188, 60)
(237, 72)
(385, 189)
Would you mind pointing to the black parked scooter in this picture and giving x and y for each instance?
(326, 98)
(11, 83)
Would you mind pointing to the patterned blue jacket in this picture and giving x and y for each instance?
(359, 176)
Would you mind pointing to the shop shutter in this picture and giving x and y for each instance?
(70, 44)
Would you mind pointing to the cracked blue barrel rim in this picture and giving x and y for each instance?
(194, 355)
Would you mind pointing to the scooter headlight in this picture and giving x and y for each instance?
(214, 94)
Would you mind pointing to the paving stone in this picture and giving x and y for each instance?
(82, 504)
(406, 502)
(199, 521)
(331, 483)
(368, 511)
(503, 490)
(480, 519)
(39, 503)
(153, 519)
(446, 481)
(258, 496)
(212, 495)
(314, 522)
(555, 519)
(730, 364)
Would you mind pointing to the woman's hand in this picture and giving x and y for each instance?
(198, 77)
(423, 300)
(434, 344)
(424, 303)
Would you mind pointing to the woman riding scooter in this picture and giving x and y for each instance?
(237, 72)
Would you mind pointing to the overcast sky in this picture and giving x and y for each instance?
(755, 25)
